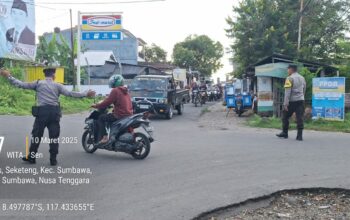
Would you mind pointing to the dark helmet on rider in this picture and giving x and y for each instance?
(116, 81)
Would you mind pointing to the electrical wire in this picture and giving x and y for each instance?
(52, 18)
(91, 3)
(99, 3)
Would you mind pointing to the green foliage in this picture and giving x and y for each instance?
(317, 125)
(17, 101)
(198, 53)
(308, 78)
(155, 54)
(342, 57)
(57, 52)
(259, 28)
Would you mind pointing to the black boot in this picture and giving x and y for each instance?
(53, 160)
(300, 135)
(283, 134)
(29, 159)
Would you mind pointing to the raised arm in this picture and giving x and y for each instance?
(108, 101)
(62, 90)
(16, 82)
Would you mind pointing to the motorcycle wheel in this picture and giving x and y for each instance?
(145, 148)
(88, 143)
(180, 109)
(170, 113)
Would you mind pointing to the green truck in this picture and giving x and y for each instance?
(159, 92)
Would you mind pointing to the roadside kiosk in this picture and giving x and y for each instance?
(229, 97)
(237, 98)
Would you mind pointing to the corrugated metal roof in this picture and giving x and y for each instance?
(96, 58)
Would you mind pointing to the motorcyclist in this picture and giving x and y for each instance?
(122, 105)
(203, 88)
(194, 87)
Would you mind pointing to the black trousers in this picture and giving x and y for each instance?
(102, 121)
(297, 107)
(48, 117)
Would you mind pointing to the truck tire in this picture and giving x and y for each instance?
(170, 113)
(180, 109)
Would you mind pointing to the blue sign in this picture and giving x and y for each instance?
(104, 35)
(328, 98)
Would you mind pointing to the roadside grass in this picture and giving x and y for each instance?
(205, 110)
(15, 101)
(317, 125)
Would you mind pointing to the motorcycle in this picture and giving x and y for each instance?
(122, 135)
(196, 97)
(203, 97)
(213, 95)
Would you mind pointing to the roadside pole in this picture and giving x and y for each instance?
(300, 23)
(78, 50)
(72, 46)
(88, 67)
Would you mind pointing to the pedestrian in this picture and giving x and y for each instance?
(47, 111)
(294, 101)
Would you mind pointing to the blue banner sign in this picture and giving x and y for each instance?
(328, 98)
(104, 35)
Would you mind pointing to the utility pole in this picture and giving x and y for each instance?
(72, 46)
(300, 23)
(78, 50)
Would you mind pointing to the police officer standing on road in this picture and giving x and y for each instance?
(48, 111)
(294, 101)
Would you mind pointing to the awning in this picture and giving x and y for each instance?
(277, 70)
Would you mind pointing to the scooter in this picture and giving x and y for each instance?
(122, 135)
(203, 97)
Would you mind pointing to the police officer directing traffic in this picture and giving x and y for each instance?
(294, 101)
(48, 111)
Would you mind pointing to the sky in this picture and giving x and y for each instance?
(164, 23)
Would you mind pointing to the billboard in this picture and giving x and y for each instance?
(328, 98)
(17, 29)
(101, 27)
(101, 22)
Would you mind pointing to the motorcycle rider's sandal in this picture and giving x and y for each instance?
(103, 141)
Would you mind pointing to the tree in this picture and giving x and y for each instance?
(262, 27)
(342, 56)
(200, 53)
(57, 52)
(155, 54)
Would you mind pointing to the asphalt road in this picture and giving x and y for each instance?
(191, 169)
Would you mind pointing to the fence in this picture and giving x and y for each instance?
(100, 90)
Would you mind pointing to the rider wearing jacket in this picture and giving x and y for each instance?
(122, 105)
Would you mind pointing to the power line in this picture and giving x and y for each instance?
(52, 18)
(30, 3)
(98, 3)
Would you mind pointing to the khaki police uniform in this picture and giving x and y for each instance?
(49, 113)
(294, 100)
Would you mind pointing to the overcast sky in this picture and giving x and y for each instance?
(163, 23)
